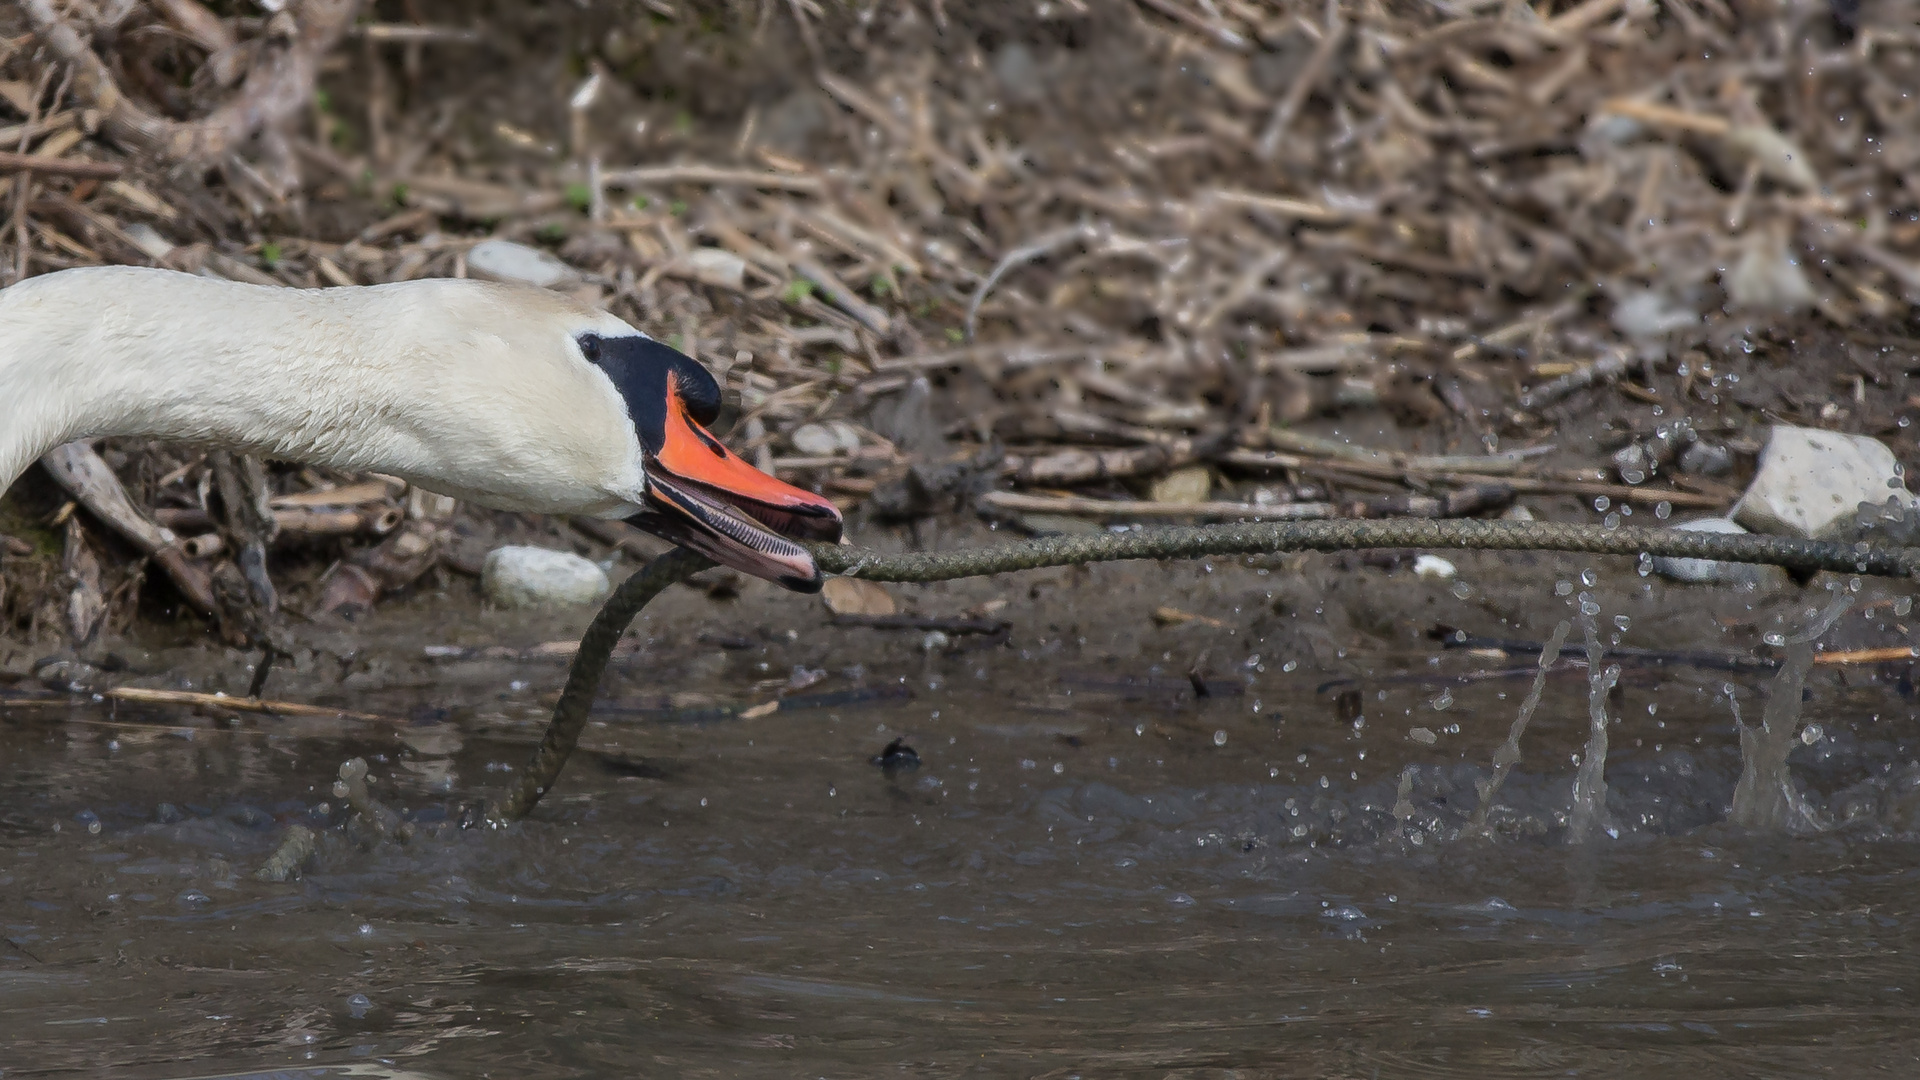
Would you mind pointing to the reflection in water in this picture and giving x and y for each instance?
(1117, 877)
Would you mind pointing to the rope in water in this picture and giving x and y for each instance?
(596, 646)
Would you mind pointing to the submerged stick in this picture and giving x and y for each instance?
(597, 645)
(294, 850)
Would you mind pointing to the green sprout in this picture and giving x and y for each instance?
(552, 232)
(797, 290)
(270, 254)
(956, 335)
(580, 197)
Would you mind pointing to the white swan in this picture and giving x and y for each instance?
(511, 397)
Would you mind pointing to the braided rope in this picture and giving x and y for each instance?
(596, 646)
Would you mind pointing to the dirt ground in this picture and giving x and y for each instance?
(1211, 244)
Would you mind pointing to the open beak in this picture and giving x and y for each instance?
(701, 496)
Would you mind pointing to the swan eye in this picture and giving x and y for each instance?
(590, 347)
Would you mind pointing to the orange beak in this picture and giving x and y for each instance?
(702, 496)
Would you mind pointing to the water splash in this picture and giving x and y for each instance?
(1765, 797)
(1507, 755)
(1589, 808)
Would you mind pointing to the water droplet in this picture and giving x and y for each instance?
(1462, 590)
(1290, 665)
(1219, 739)
(357, 1006)
(1601, 502)
(1622, 621)
(1812, 733)
(1902, 606)
(1563, 588)
(1774, 638)
(1444, 701)
(1663, 509)
(1589, 606)
(1633, 476)
(1058, 768)
(1612, 521)
(1589, 578)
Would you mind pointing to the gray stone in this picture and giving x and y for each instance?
(1767, 279)
(504, 260)
(1698, 571)
(1705, 458)
(825, 439)
(516, 577)
(1811, 483)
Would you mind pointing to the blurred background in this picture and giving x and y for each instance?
(1006, 258)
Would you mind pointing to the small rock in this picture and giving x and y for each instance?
(1060, 525)
(71, 676)
(149, 241)
(1184, 486)
(1705, 458)
(1698, 571)
(717, 266)
(1811, 483)
(1767, 279)
(529, 576)
(827, 439)
(1645, 314)
(504, 260)
(898, 757)
(1516, 512)
(935, 641)
(1433, 568)
(857, 596)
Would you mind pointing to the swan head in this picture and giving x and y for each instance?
(698, 493)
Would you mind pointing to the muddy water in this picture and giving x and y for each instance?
(1092, 870)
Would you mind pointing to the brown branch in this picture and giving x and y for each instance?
(46, 166)
(274, 93)
(84, 475)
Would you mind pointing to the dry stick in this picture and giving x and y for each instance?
(140, 695)
(1078, 505)
(277, 89)
(1039, 249)
(87, 477)
(1303, 83)
(11, 162)
(596, 646)
(352, 788)
(1508, 754)
(296, 848)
